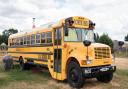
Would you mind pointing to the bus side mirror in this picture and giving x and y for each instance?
(87, 43)
(65, 30)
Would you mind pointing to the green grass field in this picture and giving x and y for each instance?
(17, 79)
(18, 76)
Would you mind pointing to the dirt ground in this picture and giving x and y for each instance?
(121, 63)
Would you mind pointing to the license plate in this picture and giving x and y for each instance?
(104, 69)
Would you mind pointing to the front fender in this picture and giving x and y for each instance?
(78, 57)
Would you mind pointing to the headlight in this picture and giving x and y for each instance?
(89, 61)
(85, 62)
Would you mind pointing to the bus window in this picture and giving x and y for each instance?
(10, 42)
(43, 38)
(13, 42)
(49, 37)
(37, 38)
(25, 40)
(33, 39)
(21, 41)
(58, 36)
(72, 35)
(28, 40)
(17, 41)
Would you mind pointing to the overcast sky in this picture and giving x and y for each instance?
(110, 16)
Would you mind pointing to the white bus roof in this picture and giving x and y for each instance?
(48, 25)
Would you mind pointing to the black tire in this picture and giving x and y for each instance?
(75, 75)
(24, 66)
(105, 78)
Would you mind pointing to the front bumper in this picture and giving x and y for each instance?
(91, 72)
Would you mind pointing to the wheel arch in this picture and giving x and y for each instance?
(70, 59)
(79, 81)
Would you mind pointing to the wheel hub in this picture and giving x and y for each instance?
(74, 75)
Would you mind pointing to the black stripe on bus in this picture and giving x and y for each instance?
(37, 45)
(15, 57)
(31, 59)
(41, 65)
(49, 53)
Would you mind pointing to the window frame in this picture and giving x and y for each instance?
(24, 40)
(48, 37)
(17, 41)
(33, 38)
(10, 42)
(58, 32)
(21, 40)
(28, 39)
(44, 33)
(38, 38)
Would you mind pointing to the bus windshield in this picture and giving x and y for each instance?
(79, 35)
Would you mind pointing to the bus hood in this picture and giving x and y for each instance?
(98, 45)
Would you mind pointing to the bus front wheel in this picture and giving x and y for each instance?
(105, 78)
(74, 75)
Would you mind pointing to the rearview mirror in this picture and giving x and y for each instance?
(87, 43)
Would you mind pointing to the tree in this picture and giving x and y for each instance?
(0, 39)
(6, 34)
(105, 39)
(4, 39)
(126, 38)
(10, 31)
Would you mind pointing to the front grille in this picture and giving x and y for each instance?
(102, 52)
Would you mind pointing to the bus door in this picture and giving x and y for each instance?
(57, 53)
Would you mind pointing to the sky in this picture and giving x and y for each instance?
(110, 16)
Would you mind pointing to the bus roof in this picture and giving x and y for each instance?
(43, 28)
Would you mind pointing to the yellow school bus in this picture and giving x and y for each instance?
(67, 48)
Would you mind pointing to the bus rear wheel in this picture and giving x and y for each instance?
(74, 75)
(105, 78)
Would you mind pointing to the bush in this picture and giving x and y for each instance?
(105, 39)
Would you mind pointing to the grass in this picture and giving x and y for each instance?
(120, 80)
(123, 72)
(17, 79)
(16, 75)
